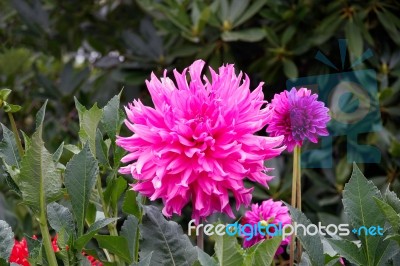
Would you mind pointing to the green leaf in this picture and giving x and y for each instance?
(11, 108)
(166, 239)
(88, 122)
(6, 240)
(248, 35)
(129, 230)
(8, 148)
(227, 250)
(40, 115)
(60, 218)
(115, 190)
(146, 260)
(311, 243)
(203, 259)
(4, 93)
(250, 12)
(348, 250)
(80, 176)
(237, 7)
(390, 214)
(35, 248)
(386, 250)
(395, 237)
(115, 244)
(360, 208)
(57, 154)
(93, 229)
(112, 119)
(101, 149)
(262, 253)
(392, 199)
(130, 204)
(354, 37)
(290, 69)
(288, 35)
(39, 181)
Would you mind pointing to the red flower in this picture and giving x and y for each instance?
(19, 253)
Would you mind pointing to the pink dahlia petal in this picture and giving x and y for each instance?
(297, 115)
(271, 212)
(198, 141)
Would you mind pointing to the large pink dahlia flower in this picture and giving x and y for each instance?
(297, 115)
(197, 142)
(267, 213)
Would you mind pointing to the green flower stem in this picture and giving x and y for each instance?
(296, 196)
(297, 164)
(143, 202)
(112, 226)
(51, 257)
(293, 203)
(44, 229)
(16, 135)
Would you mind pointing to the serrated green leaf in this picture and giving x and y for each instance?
(60, 218)
(348, 250)
(262, 253)
(129, 230)
(227, 250)
(93, 229)
(390, 214)
(88, 122)
(360, 208)
(8, 148)
(115, 244)
(392, 199)
(40, 115)
(38, 181)
(57, 154)
(80, 177)
(111, 120)
(311, 243)
(6, 240)
(166, 239)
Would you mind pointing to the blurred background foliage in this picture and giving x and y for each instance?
(55, 50)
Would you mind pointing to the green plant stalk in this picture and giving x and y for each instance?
(297, 155)
(143, 202)
(296, 197)
(112, 226)
(16, 135)
(44, 229)
(293, 203)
